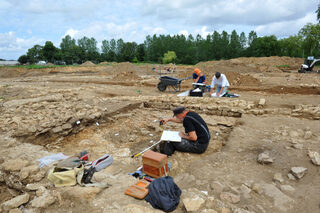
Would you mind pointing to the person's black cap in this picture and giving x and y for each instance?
(178, 110)
(218, 74)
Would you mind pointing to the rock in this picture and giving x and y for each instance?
(314, 156)
(14, 165)
(264, 158)
(229, 197)
(193, 203)
(134, 208)
(33, 186)
(307, 135)
(184, 179)
(1, 177)
(293, 134)
(43, 201)
(245, 191)
(278, 177)
(298, 146)
(225, 210)
(291, 177)
(15, 202)
(298, 172)
(210, 204)
(66, 126)
(57, 129)
(125, 152)
(15, 211)
(38, 176)
(208, 211)
(26, 171)
(280, 200)
(262, 102)
(41, 190)
(217, 187)
(80, 193)
(85, 142)
(238, 210)
(287, 188)
(257, 188)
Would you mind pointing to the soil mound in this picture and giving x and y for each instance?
(88, 63)
(104, 63)
(125, 70)
(236, 79)
(260, 64)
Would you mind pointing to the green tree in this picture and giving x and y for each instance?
(243, 40)
(311, 38)
(50, 52)
(235, 45)
(23, 59)
(67, 43)
(169, 57)
(291, 46)
(265, 46)
(89, 45)
(35, 54)
(252, 36)
(141, 52)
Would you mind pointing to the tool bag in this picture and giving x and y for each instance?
(99, 164)
(66, 176)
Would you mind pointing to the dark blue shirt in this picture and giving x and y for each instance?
(201, 79)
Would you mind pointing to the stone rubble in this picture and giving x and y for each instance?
(298, 172)
(314, 157)
(264, 158)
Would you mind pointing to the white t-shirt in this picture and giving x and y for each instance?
(222, 81)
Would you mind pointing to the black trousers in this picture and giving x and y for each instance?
(184, 146)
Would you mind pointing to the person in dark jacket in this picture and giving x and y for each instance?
(196, 137)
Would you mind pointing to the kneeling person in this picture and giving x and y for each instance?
(196, 137)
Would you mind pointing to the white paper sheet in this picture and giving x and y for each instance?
(172, 136)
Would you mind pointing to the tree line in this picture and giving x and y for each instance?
(187, 50)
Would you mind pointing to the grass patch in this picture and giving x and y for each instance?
(283, 66)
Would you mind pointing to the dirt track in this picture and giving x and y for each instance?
(119, 107)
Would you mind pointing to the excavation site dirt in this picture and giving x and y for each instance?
(263, 155)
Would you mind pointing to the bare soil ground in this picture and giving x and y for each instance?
(119, 107)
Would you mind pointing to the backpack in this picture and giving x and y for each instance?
(164, 194)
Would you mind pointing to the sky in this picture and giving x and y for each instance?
(24, 23)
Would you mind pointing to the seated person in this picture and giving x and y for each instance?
(196, 137)
(222, 85)
(199, 77)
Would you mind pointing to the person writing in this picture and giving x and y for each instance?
(196, 137)
(222, 85)
(199, 77)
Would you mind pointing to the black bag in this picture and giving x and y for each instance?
(87, 175)
(164, 194)
(167, 148)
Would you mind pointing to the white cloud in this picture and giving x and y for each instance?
(285, 28)
(12, 46)
(203, 32)
(183, 32)
(248, 12)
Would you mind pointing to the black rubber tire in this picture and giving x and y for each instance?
(161, 87)
(301, 71)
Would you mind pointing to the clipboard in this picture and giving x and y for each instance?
(172, 136)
